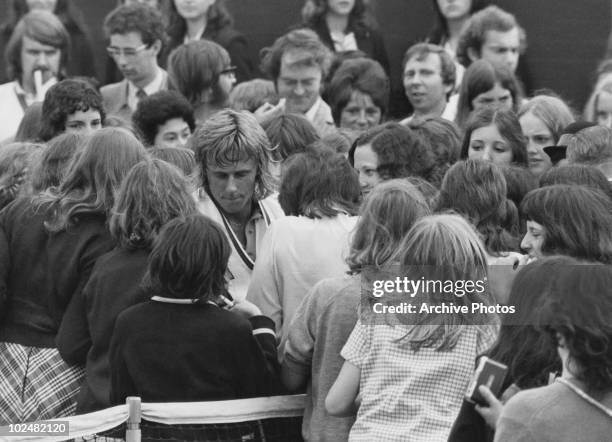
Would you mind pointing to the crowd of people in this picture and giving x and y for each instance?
(206, 226)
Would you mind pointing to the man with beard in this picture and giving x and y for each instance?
(136, 34)
(36, 55)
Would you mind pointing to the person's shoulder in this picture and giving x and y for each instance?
(534, 403)
(113, 88)
(4, 87)
(272, 207)
(227, 35)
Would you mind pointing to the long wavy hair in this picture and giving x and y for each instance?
(477, 190)
(388, 213)
(444, 248)
(153, 193)
(508, 126)
(94, 177)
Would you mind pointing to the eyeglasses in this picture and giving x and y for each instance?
(127, 52)
(231, 70)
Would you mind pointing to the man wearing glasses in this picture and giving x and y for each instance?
(136, 33)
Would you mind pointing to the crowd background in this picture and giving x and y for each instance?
(566, 39)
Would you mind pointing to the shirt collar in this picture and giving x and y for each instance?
(151, 88)
(312, 112)
(21, 92)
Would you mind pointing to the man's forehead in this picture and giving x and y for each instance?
(31, 44)
(297, 57)
(496, 38)
(128, 39)
(429, 59)
(244, 164)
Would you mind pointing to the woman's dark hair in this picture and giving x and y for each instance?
(53, 162)
(93, 177)
(519, 182)
(289, 134)
(358, 75)
(508, 126)
(217, 18)
(579, 174)
(156, 109)
(480, 77)
(153, 193)
(402, 153)
(578, 307)
(189, 260)
(576, 221)
(195, 67)
(477, 190)
(444, 138)
(64, 99)
(313, 13)
(439, 32)
(524, 348)
(319, 184)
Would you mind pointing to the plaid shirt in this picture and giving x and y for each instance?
(408, 395)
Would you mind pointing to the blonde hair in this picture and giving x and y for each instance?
(387, 215)
(446, 248)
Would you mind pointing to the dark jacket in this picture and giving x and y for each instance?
(86, 330)
(369, 40)
(166, 352)
(41, 271)
(234, 42)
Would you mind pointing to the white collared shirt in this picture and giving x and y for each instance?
(312, 112)
(344, 42)
(149, 89)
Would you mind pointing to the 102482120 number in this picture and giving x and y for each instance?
(48, 428)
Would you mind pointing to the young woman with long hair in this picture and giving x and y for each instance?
(48, 246)
(327, 315)
(153, 193)
(346, 26)
(394, 361)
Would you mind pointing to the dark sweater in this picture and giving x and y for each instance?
(40, 272)
(86, 330)
(369, 40)
(191, 352)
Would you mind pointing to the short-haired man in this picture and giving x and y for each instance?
(429, 79)
(164, 119)
(297, 62)
(232, 149)
(136, 35)
(36, 56)
(494, 35)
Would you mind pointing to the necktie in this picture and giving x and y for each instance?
(140, 93)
